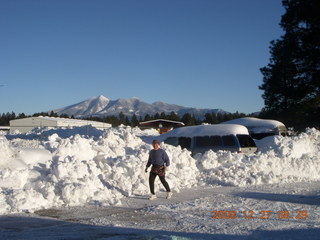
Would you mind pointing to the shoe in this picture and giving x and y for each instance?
(169, 195)
(152, 197)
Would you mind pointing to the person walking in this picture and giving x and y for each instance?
(159, 160)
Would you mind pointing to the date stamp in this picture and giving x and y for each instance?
(264, 214)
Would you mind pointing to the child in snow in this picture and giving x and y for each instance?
(159, 160)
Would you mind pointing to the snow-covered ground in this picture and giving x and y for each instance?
(85, 183)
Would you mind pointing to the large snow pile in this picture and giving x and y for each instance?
(279, 160)
(67, 167)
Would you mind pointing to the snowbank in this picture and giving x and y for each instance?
(69, 167)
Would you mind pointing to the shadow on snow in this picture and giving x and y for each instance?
(18, 227)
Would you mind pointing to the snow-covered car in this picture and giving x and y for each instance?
(199, 139)
(260, 128)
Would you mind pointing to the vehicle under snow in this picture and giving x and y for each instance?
(260, 128)
(199, 139)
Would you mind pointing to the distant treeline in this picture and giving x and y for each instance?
(188, 119)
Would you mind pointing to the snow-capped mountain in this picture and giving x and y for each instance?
(86, 108)
(102, 106)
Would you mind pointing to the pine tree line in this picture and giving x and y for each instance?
(5, 118)
(188, 119)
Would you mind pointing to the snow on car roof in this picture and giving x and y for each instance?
(255, 122)
(206, 130)
(257, 125)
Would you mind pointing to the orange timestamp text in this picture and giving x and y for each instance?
(264, 214)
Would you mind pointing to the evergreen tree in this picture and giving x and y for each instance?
(156, 116)
(6, 118)
(3, 121)
(53, 114)
(208, 118)
(40, 114)
(163, 116)
(214, 118)
(134, 121)
(127, 121)
(188, 119)
(64, 115)
(122, 118)
(12, 116)
(147, 118)
(113, 120)
(21, 115)
(291, 80)
(174, 117)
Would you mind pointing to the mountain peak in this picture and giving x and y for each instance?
(100, 98)
(101, 106)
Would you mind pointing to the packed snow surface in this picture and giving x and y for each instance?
(79, 166)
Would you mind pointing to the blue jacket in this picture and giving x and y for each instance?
(158, 157)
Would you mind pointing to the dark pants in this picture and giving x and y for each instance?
(152, 178)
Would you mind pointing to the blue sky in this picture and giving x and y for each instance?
(195, 53)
